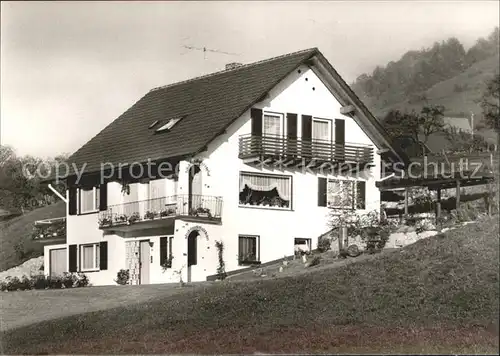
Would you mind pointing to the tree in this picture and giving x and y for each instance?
(399, 124)
(431, 120)
(490, 103)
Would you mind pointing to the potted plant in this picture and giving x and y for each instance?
(149, 215)
(105, 221)
(121, 218)
(133, 218)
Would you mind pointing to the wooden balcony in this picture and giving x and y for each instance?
(160, 212)
(293, 152)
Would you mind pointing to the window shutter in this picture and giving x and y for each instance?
(321, 191)
(306, 127)
(163, 249)
(256, 115)
(340, 131)
(291, 125)
(360, 195)
(73, 258)
(72, 201)
(103, 197)
(103, 256)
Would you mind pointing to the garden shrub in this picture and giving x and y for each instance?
(324, 243)
(68, 280)
(122, 277)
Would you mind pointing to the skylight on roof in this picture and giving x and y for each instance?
(170, 123)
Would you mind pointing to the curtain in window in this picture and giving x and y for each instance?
(264, 184)
(97, 255)
(86, 199)
(272, 125)
(321, 130)
(87, 257)
(248, 248)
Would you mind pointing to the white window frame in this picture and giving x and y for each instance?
(328, 121)
(352, 201)
(95, 192)
(289, 177)
(94, 251)
(273, 114)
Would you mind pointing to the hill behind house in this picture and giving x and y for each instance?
(18, 232)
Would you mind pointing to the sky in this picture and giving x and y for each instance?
(68, 69)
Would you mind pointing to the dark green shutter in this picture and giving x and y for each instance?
(306, 127)
(103, 256)
(163, 249)
(73, 258)
(291, 125)
(360, 195)
(256, 115)
(103, 197)
(321, 191)
(72, 209)
(339, 140)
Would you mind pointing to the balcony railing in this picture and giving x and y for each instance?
(196, 206)
(293, 148)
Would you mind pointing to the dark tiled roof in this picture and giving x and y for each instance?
(209, 104)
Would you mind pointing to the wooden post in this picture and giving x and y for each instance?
(438, 205)
(487, 203)
(406, 203)
(458, 194)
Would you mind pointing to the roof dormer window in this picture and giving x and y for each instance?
(168, 126)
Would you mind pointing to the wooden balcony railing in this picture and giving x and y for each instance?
(199, 206)
(296, 149)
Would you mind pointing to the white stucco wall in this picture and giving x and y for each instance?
(220, 177)
(278, 228)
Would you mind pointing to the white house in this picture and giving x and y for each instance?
(256, 156)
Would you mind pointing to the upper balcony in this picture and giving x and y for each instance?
(160, 211)
(297, 152)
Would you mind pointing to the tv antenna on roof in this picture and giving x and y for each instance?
(205, 50)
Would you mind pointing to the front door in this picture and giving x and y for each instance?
(192, 253)
(144, 261)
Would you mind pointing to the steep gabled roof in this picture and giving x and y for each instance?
(207, 106)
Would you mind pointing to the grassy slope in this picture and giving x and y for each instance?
(19, 230)
(438, 295)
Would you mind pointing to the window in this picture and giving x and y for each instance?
(301, 245)
(170, 123)
(346, 194)
(248, 250)
(265, 190)
(166, 251)
(88, 199)
(321, 130)
(89, 257)
(271, 124)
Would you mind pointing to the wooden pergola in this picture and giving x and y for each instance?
(443, 172)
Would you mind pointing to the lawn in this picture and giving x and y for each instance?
(439, 295)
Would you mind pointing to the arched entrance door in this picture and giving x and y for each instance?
(192, 252)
